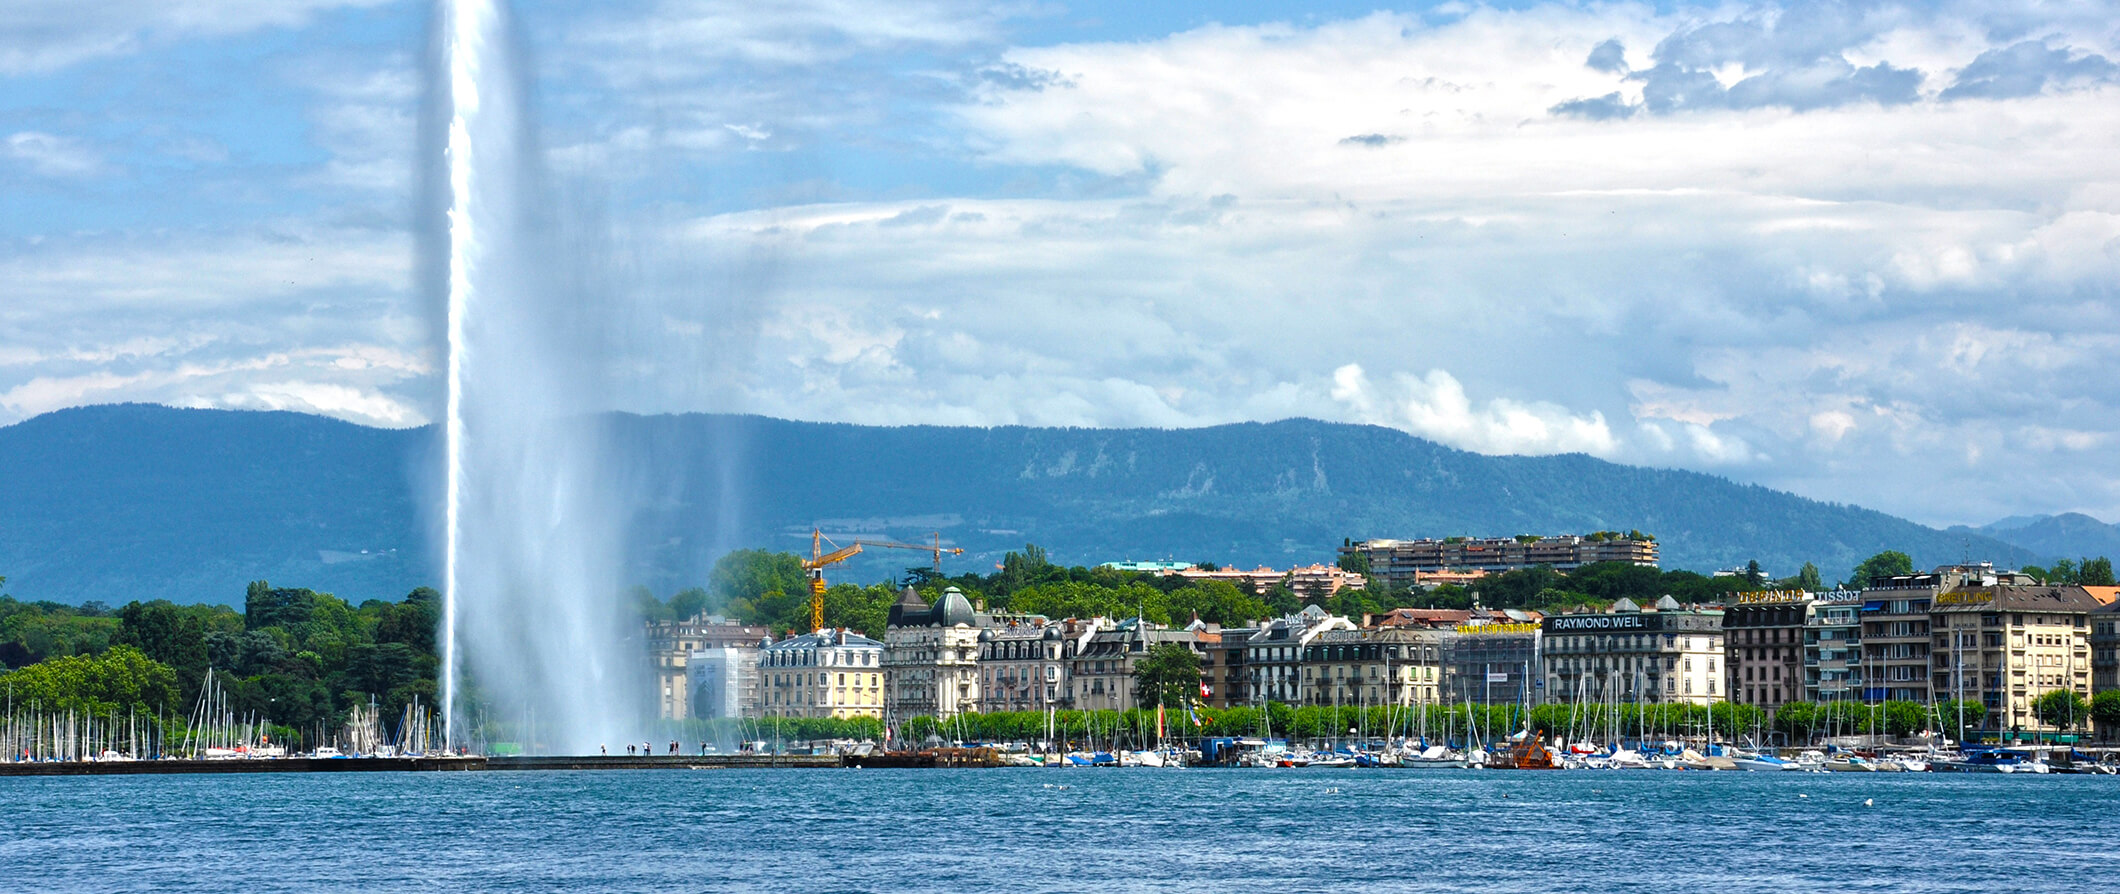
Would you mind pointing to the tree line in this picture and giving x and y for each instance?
(298, 658)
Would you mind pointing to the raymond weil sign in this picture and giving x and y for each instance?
(1626, 623)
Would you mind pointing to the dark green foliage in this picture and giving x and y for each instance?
(1873, 570)
(120, 680)
(1961, 716)
(34, 631)
(294, 657)
(1168, 675)
(2096, 572)
(2105, 712)
(2061, 709)
(1598, 585)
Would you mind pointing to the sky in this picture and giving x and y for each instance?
(1865, 252)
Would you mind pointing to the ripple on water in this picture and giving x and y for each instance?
(1017, 830)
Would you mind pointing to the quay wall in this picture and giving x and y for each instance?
(416, 764)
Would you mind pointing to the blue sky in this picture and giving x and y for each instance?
(1864, 251)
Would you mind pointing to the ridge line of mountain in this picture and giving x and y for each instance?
(125, 501)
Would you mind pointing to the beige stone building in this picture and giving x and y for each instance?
(1027, 664)
(931, 657)
(2005, 646)
(1668, 654)
(1373, 667)
(829, 673)
(1103, 673)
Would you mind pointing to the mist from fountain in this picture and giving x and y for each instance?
(532, 632)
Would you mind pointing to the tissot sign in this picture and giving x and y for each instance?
(1603, 623)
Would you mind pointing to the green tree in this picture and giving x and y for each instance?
(121, 679)
(1168, 675)
(2061, 709)
(1754, 575)
(750, 575)
(1808, 579)
(2105, 712)
(2096, 572)
(1356, 562)
(1875, 569)
(1904, 718)
(1798, 720)
(689, 603)
(1961, 716)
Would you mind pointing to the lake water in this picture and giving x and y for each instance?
(1058, 830)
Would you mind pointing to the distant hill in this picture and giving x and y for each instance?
(2070, 535)
(121, 502)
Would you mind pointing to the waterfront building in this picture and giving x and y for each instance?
(931, 656)
(1669, 653)
(1896, 627)
(2007, 645)
(1103, 672)
(1371, 667)
(2105, 647)
(1763, 648)
(1027, 665)
(1403, 562)
(1273, 656)
(1832, 647)
(1494, 658)
(1223, 669)
(670, 648)
(826, 673)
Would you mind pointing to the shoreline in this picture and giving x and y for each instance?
(417, 764)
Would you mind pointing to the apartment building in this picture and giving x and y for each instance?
(2007, 645)
(1669, 653)
(1763, 648)
(1404, 562)
(826, 673)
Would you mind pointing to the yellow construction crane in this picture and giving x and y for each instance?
(814, 565)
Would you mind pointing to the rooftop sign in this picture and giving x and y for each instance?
(1493, 629)
(1771, 597)
(1601, 623)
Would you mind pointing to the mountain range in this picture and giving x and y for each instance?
(123, 502)
(2070, 535)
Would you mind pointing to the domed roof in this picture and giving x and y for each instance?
(986, 636)
(1051, 632)
(953, 609)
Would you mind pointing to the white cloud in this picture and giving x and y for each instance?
(1905, 305)
(1435, 406)
(50, 155)
(43, 35)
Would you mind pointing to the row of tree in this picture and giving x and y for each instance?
(292, 657)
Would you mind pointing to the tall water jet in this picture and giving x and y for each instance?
(530, 515)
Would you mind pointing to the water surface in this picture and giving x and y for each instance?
(1057, 830)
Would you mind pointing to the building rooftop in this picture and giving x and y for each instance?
(2017, 599)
